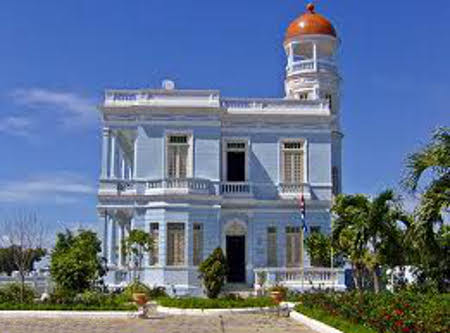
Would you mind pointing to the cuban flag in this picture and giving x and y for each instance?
(302, 206)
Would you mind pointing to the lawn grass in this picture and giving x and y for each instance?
(219, 303)
(66, 307)
(334, 321)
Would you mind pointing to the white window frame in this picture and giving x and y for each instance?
(225, 150)
(305, 158)
(190, 155)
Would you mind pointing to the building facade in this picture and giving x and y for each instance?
(199, 171)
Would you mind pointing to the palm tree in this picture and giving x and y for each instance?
(364, 230)
(431, 163)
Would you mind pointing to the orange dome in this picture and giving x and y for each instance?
(310, 23)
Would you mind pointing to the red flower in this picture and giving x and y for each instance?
(405, 329)
(399, 312)
(399, 323)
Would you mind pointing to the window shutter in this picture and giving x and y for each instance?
(272, 247)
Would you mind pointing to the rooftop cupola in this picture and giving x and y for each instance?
(311, 45)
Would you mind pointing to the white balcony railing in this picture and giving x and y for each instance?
(155, 187)
(300, 279)
(306, 66)
(236, 189)
(288, 190)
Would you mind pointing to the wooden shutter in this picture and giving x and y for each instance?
(272, 247)
(175, 244)
(198, 244)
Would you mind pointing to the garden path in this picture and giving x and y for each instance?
(237, 323)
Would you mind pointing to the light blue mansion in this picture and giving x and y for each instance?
(198, 171)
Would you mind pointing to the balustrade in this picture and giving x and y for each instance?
(299, 278)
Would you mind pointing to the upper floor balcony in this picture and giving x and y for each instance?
(193, 186)
(311, 66)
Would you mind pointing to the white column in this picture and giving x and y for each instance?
(105, 153)
(112, 241)
(315, 56)
(121, 238)
(112, 171)
(105, 234)
(123, 167)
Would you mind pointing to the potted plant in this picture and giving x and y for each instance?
(278, 293)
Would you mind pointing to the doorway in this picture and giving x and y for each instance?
(235, 246)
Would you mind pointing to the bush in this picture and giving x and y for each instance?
(10, 293)
(386, 312)
(213, 272)
(228, 302)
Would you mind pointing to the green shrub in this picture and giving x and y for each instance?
(213, 272)
(228, 302)
(401, 312)
(10, 293)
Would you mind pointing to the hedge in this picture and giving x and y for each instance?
(404, 312)
(218, 303)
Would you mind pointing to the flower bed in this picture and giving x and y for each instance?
(218, 303)
(404, 312)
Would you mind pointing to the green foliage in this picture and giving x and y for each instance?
(325, 317)
(75, 262)
(397, 313)
(366, 232)
(135, 246)
(318, 246)
(428, 234)
(8, 264)
(11, 293)
(216, 303)
(213, 272)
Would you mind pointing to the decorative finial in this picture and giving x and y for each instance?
(310, 7)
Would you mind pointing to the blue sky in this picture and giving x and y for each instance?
(58, 56)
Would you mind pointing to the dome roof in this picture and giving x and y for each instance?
(310, 23)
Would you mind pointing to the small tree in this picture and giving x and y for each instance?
(24, 234)
(318, 246)
(213, 272)
(135, 246)
(76, 264)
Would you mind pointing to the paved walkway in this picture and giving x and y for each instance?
(238, 323)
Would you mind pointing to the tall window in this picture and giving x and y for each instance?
(272, 247)
(198, 244)
(177, 156)
(154, 235)
(292, 246)
(175, 244)
(293, 162)
(236, 157)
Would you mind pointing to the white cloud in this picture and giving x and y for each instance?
(61, 188)
(15, 125)
(70, 106)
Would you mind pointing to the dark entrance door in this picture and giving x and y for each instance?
(236, 259)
